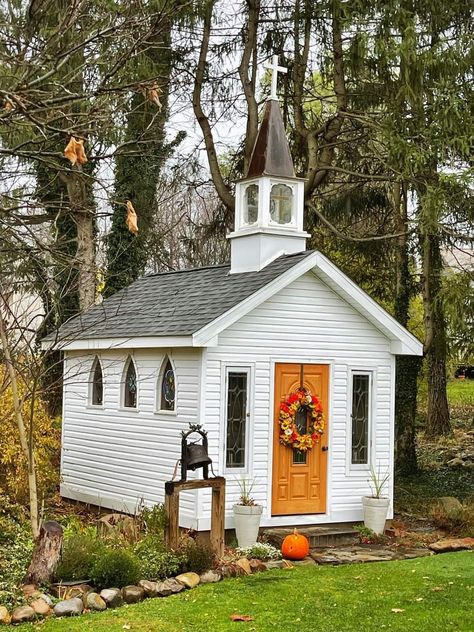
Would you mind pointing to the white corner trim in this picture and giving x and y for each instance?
(142, 342)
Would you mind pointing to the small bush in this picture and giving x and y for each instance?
(260, 551)
(14, 560)
(153, 520)
(115, 567)
(78, 556)
(367, 536)
(456, 521)
(155, 561)
(197, 557)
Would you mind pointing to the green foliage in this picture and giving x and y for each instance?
(155, 561)
(115, 568)
(367, 536)
(15, 557)
(197, 557)
(260, 551)
(153, 519)
(79, 554)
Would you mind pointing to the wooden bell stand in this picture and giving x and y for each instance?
(172, 490)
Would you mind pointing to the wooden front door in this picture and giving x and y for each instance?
(299, 478)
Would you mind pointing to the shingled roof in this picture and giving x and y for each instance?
(172, 303)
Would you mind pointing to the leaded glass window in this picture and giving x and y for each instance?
(301, 422)
(281, 203)
(360, 418)
(251, 204)
(97, 395)
(168, 387)
(237, 394)
(130, 386)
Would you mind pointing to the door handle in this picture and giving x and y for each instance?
(325, 448)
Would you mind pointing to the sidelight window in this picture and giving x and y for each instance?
(237, 418)
(360, 418)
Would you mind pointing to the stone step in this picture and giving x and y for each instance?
(318, 536)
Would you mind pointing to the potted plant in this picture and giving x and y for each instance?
(247, 515)
(376, 505)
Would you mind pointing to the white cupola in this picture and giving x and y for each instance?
(269, 201)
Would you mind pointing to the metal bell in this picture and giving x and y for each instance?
(196, 456)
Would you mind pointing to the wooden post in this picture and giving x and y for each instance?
(172, 490)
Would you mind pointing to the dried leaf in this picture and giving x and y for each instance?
(153, 95)
(8, 106)
(398, 610)
(241, 617)
(132, 219)
(74, 151)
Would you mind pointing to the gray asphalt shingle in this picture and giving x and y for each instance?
(172, 303)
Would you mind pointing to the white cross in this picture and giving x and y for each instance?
(275, 68)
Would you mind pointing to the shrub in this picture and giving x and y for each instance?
(367, 536)
(14, 561)
(260, 551)
(155, 561)
(153, 520)
(115, 567)
(196, 557)
(458, 521)
(79, 554)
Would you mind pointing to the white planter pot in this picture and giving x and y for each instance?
(247, 523)
(375, 513)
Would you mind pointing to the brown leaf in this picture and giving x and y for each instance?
(74, 151)
(241, 617)
(153, 95)
(131, 220)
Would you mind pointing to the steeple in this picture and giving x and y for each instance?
(269, 201)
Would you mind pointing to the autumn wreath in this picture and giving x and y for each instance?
(289, 434)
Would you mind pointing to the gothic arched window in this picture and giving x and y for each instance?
(167, 392)
(130, 386)
(97, 383)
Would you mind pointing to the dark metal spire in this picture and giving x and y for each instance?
(271, 153)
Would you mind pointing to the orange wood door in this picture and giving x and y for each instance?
(299, 478)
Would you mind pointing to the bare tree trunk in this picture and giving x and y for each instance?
(438, 420)
(248, 79)
(407, 367)
(26, 446)
(46, 554)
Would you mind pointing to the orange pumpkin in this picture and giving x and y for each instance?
(295, 546)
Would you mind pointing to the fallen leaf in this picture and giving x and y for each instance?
(419, 599)
(241, 617)
(398, 610)
(131, 220)
(74, 151)
(437, 589)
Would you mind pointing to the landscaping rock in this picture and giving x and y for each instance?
(41, 608)
(189, 580)
(78, 591)
(22, 614)
(449, 504)
(244, 564)
(168, 587)
(327, 558)
(307, 561)
(210, 577)
(5, 617)
(30, 591)
(47, 599)
(148, 587)
(275, 564)
(69, 607)
(95, 602)
(257, 566)
(452, 544)
(133, 594)
(112, 597)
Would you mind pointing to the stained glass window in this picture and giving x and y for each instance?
(360, 418)
(281, 203)
(130, 386)
(251, 204)
(301, 422)
(236, 419)
(97, 384)
(168, 387)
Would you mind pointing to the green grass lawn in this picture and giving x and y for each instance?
(434, 594)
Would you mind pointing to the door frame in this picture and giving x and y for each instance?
(300, 518)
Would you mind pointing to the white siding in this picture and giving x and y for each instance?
(307, 322)
(116, 457)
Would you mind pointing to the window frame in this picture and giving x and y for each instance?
(245, 205)
(249, 371)
(159, 383)
(90, 399)
(129, 360)
(361, 467)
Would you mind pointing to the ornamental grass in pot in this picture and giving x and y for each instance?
(247, 514)
(376, 505)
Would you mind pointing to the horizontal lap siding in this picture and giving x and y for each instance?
(307, 322)
(122, 457)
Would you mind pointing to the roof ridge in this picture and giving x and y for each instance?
(196, 269)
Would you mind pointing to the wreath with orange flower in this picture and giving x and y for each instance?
(289, 434)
